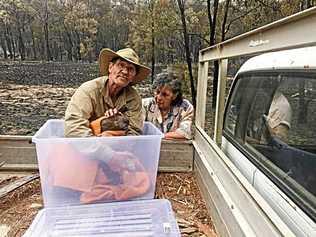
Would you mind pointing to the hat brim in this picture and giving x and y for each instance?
(106, 56)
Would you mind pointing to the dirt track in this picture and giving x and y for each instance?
(31, 93)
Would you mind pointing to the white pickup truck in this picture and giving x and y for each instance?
(269, 132)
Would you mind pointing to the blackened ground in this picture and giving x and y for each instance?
(33, 92)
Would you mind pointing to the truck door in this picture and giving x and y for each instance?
(270, 118)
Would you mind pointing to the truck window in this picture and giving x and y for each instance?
(271, 115)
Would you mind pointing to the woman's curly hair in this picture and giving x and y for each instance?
(171, 80)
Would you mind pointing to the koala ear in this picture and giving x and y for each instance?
(123, 109)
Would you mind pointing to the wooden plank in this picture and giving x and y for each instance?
(220, 101)
(201, 94)
(16, 138)
(16, 184)
(176, 156)
(227, 217)
(17, 150)
(208, 195)
(170, 169)
(18, 155)
(19, 167)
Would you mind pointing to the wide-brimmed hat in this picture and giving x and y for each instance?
(106, 55)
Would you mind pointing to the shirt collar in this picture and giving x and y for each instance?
(172, 113)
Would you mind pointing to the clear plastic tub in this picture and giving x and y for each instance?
(96, 169)
(132, 219)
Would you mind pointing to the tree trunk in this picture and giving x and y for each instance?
(152, 43)
(3, 43)
(212, 21)
(170, 54)
(96, 45)
(212, 41)
(8, 40)
(48, 55)
(55, 51)
(302, 115)
(69, 44)
(223, 33)
(13, 44)
(21, 43)
(187, 50)
(60, 48)
(69, 49)
(42, 49)
(33, 44)
(212, 24)
(90, 58)
(78, 46)
(305, 4)
(4, 48)
(46, 35)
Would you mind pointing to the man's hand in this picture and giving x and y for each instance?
(174, 136)
(97, 129)
(110, 113)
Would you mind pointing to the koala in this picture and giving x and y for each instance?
(115, 123)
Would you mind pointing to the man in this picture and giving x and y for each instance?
(279, 116)
(106, 95)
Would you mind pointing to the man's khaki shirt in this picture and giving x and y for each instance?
(91, 100)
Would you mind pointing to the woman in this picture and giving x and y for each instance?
(167, 110)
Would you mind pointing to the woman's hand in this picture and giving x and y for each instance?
(173, 135)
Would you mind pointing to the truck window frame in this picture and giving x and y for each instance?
(238, 139)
